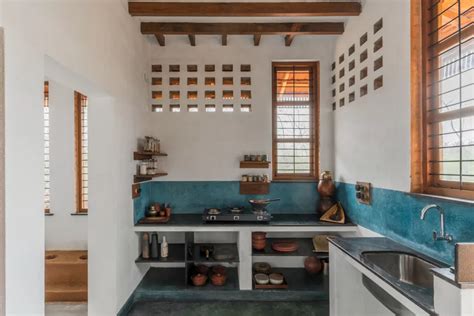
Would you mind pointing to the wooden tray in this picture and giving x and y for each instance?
(154, 220)
(270, 286)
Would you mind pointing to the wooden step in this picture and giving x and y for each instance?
(66, 293)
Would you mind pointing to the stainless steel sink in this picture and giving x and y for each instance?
(407, 268)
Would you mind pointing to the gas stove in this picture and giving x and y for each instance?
(234, 215)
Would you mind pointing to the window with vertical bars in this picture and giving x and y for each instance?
(448, 97)
(46, 170)
(81, 143)
(295, 121)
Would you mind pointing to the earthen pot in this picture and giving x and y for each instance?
(202, 269)
(259, 240)
(199, 279)
(326, 187)
(218, 279)
(219, 270)
(313, 265)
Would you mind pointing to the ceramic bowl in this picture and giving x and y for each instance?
(262, 267)
(261, 278)
(276, 278)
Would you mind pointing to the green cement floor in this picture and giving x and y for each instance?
(234, 308)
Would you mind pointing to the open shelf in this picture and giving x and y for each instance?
(163, 279)
(140, 178)
(300, 280)
(144, 155)
(305, 249)
(175, 254)
(254, 164)
(197, 258)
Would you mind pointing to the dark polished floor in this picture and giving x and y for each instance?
(234, 308)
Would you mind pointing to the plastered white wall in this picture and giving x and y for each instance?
(63, 231)
(372, 140)
(208, 146)
(96, 46)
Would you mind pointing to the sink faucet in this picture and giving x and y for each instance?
(441, 235)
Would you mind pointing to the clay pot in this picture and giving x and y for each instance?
(202, 269)
(326, 187)
(218, 279)
(199, 279)
(262, 267)
(219, 270)
(313, 265)
(259, 240)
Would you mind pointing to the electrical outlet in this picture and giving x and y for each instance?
(363, 192)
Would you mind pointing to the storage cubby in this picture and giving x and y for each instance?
(156, 68)
(363, 39)
(378, 82)
(341, 73)
(352, 81)
(174, 81)
(228, 108)
(333, 66)
(378, 63)
(210, 81)
(245, 94)
(378, 26)
(175, 108)
(227, 68)
(341, 87)
(209, 95)
(341, 59)
(245, 68)
(174, 95)
(364, 55)
(352, 49)
(378, 44)
(174, 68)
(157, 95)
(352, 65)
(210, 107)
(192, 68)
(334, 106)
(352, 97)
(157, 108)
(342, 102)
(209, 68)
(193, 108)
(192, 95)
(156, 81)
(227, 94)
(363, 73)
(333, 79)
(192, 81)
(245, 108)
(363, 90)
(227, 81)
(245, 81)
(333, 92)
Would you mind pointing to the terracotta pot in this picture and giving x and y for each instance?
(219, 270)
(259, 244)
(199, 279)
(325, 203)
(259, 236)
(218, 279)
(313, 265)
(202, 269)
(285, 246)
(326, 187)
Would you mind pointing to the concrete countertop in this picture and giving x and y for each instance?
(354, 247)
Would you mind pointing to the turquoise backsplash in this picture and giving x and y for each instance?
(396, 215)
(191, 197)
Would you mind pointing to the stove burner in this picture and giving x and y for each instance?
(236, 210)
(213, 211)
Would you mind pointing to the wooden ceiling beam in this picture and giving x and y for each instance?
(192, 39)
(264, 9)
(161, 39)
(256, 39)
(224, 40)
(289, 39)
(313, 28)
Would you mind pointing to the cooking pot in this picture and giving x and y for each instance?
(258, 206)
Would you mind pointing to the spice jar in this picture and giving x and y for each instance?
(143, 168)
(244, 178)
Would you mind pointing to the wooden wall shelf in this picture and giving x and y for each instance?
(254, 164)
(254, 187)
(141, 178)
(144, 155)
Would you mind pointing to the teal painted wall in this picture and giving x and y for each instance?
(396, 215)
(191, 197)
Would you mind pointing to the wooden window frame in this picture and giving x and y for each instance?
(78, 151)
(420, 179)
(314, 175)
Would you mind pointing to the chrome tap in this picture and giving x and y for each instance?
(441, 235)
